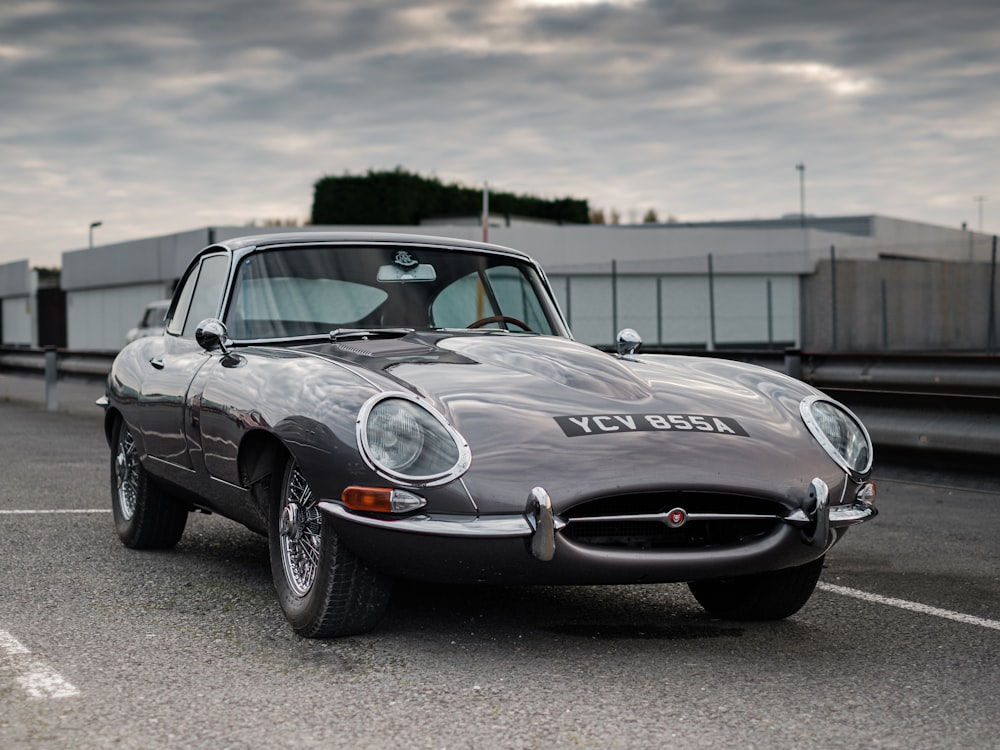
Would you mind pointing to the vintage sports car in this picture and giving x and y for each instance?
(405, 407)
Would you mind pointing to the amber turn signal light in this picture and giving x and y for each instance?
(381, 500)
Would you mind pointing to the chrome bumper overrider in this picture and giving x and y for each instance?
(815, 517)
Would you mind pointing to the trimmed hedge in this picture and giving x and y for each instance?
(401, 197)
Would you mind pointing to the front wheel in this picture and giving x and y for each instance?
(145, 516)
(323, 588)
(765, 596)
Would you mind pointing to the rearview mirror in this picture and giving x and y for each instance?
(395, 274)
(211, 334)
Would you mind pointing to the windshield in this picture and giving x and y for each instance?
(290, 292)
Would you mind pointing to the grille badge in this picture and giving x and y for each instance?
(676, 518)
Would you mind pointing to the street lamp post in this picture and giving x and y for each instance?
(802, 192)
(93, 224)
(980, 199)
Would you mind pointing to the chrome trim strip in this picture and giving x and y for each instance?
(845, 515)
(798, 517)
(475, 507)
(662, 517)
(481, 527)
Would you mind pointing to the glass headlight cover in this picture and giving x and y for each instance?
(404, 440)
(840, 432)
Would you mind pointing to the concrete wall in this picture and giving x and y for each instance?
(898, 305)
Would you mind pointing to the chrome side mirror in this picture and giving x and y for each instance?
(211, 334)
(627, 342)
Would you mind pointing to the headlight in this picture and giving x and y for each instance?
(395, 437)
(403, 440)
(840, 433)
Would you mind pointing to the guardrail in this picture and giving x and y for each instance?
(935, 405)
(84, 364)
(916, 406)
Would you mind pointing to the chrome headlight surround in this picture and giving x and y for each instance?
(404, 440)
(840, 432)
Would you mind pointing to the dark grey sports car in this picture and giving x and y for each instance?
(405, 407)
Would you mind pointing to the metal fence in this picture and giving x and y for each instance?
(890, 304)
(689, 310)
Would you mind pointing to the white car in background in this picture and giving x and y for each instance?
(151, 323)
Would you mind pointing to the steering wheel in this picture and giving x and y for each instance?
(499, 319)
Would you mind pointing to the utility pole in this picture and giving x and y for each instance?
(486, 212)
(802, 192)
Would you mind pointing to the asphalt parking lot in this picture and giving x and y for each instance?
(101, 646)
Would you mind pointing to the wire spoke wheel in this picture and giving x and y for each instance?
(301, 529)
(146, 517)
(323, 588)
(126, 470)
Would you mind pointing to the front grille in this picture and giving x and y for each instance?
(736, 520)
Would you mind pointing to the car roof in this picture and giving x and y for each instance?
(278, 239)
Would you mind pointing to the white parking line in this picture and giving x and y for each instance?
(910, 606)
(37, 678)
(53, 511)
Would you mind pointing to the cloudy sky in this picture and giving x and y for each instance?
(156, 117)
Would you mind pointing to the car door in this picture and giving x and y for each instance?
(165, 413)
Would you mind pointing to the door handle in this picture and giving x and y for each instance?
(156, 362)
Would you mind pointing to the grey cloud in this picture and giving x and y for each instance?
(171, 115)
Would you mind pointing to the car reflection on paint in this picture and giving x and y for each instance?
(151, 322)
(387, 407)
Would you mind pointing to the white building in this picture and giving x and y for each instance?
(18, 308)
(704, 285)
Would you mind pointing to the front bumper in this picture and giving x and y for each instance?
(509, 546)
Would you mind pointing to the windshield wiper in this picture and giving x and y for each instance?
(343, 334)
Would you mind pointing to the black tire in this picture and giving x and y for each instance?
(145, 516)
(765, 596)
(323, 588)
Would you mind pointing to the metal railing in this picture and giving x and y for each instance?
(83, 364)
(918, 404)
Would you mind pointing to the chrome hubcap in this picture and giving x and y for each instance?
(291, 522)
(300, 526)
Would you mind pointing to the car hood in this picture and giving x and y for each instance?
(551, 412)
